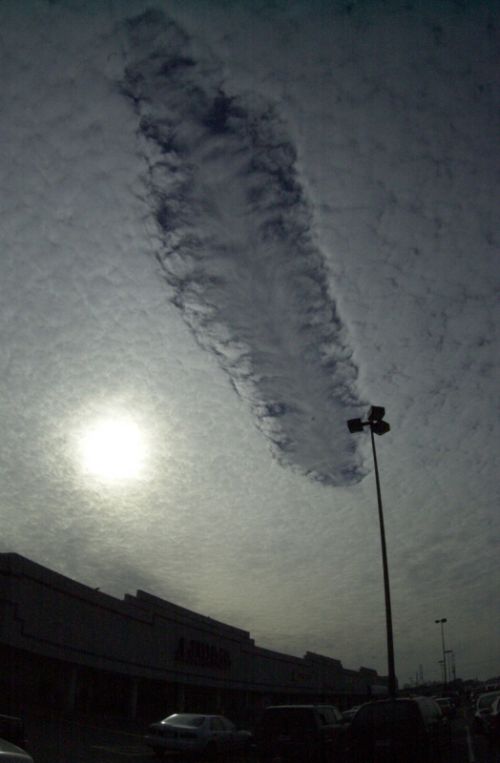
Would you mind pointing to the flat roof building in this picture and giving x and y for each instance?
(79, 650)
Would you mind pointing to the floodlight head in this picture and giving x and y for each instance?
(376, 413)
(355, 425)
(380, 427)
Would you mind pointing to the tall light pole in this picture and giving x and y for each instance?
(378, 426)
(441, 662)
(442, 621)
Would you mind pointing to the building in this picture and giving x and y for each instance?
(76, 650)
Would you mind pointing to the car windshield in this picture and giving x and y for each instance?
(185, 719)
(487, 699)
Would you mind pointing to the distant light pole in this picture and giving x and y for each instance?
(452, 669)
(378, 426)
(442, 621)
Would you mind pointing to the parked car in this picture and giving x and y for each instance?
(12, 729)
(11, 753)
(196, 732)
(483, 709)
(492, 721)
(301, 733)
(447, 706)
(406, 730)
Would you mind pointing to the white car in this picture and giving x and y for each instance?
(492, 722)
(483, 709)
(10, 753)
(196, 732)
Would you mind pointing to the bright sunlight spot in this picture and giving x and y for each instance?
(113, 449)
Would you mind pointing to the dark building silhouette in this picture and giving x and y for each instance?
(76, 650)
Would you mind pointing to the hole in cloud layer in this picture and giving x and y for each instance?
(236, 245)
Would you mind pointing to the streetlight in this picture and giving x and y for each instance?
(378, 426)
(442, 621)
(441, 662)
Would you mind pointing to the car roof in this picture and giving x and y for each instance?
(489, 694)
(10, 752)
(287, 707)
(388, 701)
(195, 715)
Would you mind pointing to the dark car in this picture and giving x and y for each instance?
(409, 730)
(12, 729)
(301, 733)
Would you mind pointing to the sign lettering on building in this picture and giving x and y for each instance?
(198, 653)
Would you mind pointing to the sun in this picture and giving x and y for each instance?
(113, 449)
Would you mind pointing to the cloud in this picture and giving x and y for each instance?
(235, 238)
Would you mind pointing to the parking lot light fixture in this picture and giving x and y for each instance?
(377, 425)
(355, 425)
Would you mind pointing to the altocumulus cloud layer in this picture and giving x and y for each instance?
(236, 243)
(296, 168)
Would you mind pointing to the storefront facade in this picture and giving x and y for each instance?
(80, 651)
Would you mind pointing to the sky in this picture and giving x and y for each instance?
(226, 228)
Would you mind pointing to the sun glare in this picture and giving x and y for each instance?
(113, 449)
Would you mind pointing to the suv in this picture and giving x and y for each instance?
(409, 730)
(301, 733)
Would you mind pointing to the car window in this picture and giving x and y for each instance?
(485, 700)
(332, 714)
(185, 719)
(326, 714)
(432, 709)
(426, 708)
(227, 724)
(436, 710)
(216, 724)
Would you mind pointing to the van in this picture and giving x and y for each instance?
(406, 730)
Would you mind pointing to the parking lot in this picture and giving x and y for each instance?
(100, 742)
(93, 742)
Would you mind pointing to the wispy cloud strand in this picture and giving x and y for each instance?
(236, 244)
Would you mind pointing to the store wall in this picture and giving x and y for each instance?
(85, 651)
